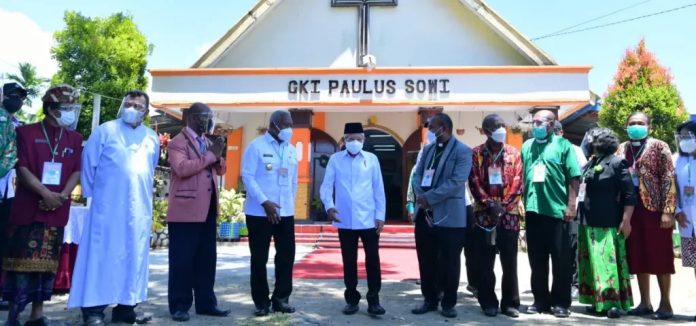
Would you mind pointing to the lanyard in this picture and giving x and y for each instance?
(689, 167)
(497, 156)
(435, 156)
(54, 150)
(280, 151)
(636, 156)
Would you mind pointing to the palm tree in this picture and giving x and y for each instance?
(29, 79)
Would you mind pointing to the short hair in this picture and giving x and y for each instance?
(278, 115)
(604, 140)
(557, 126)
(445, 119)
(643, 113)
(139, 93)
(691, 127)
(490, 121)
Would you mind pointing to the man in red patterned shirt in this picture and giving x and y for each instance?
(497, 185)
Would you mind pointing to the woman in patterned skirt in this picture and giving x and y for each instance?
(685, 170)
(649, 248)
(605, 222)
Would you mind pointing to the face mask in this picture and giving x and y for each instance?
(687, 145)
(637, 132)
(540, 132)
(354, 146)
(432, 136)
(498, 135)
(132, 116)
(12, 104)
(67, 119)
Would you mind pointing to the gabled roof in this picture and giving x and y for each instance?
(479, 7)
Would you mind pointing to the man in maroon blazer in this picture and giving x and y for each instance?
(193, 209)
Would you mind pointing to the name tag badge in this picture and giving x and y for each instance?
(51, 173)
(582, 191)
(634, 176)
(428, 178)
(539, 173)
(689, 192)
(495, 176)
(284, 179)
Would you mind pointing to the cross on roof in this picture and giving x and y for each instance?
(363, 20)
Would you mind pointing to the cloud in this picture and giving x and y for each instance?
(28, 44)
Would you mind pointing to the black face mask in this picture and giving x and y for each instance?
(12, 104)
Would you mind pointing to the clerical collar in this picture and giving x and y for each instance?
(439, 144)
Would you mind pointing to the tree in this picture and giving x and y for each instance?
(30, 80)
(642, 84)
(107, 56)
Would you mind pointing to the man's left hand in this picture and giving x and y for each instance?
(380, 226)
(570, 213)
(423, 202)
(667, 221)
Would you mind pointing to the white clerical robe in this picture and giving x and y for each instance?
(118, 164)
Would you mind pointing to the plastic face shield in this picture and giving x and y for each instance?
(66, 108)
(135, 103)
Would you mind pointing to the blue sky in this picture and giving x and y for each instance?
(182, 31)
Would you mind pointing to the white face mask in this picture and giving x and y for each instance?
(687, 146)
(431, 137)
(132, 116)
(67, 119)
(498, 135)
(354, 146)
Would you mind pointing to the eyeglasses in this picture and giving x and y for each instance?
(137, 106)
(65, 107)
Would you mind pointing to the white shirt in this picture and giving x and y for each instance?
(359, 190)
(682, 165)
(269, 172)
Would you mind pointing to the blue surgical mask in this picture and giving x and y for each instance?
(637, 132)
(132, 116)
(540, 132)
(499, 135)
(285, 135)
(354, 146)
(432, 136)
(67, 119)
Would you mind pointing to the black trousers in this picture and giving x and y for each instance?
(192, 259)
(549, 236)
(574, 252)
(439, 251)
(98, 311)
(506, 244)
(260, 233)
(349, 253)
(470, 259)
(5, 205)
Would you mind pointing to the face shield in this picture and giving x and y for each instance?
(202, 123)
(586, 144)
(686, 142)
(132, 111)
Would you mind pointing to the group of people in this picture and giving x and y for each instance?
(621, 205)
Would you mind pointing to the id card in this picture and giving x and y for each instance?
(495, 176)
(689, 192)
(284, 179)
(581, 192)
(428, 178)
(51, 173)
(634, 176)
(539, 173)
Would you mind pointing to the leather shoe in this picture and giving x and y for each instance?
(561, 312)
(215, 312)
(350, 309)
(490, 312)
(424, 308)
(534, 310)
(261, 311)
(641, 311)
(283, 308)
(375, 309)
(663, 315)
(449, 312)
(614, 313)
(94, 321)
(128, 317)
(181, 316)
(43, 321)
(511, 312)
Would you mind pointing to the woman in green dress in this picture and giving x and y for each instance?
(605, 217)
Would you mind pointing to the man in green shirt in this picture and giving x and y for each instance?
(552, 179)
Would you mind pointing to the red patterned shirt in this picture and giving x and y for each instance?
(509, 194)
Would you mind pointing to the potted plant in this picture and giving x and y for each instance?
(231, 214)
(159, 223)
(318, 209)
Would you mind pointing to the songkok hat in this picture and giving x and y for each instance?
(12, 88)
(60, 94)
(353, 128)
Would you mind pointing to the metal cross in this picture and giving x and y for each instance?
(363, 20)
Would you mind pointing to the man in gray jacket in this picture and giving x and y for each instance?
(440, 188)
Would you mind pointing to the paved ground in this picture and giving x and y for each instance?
(319, 302)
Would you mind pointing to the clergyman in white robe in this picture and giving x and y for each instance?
(112, 261)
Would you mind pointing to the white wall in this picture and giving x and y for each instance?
(311, 33)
